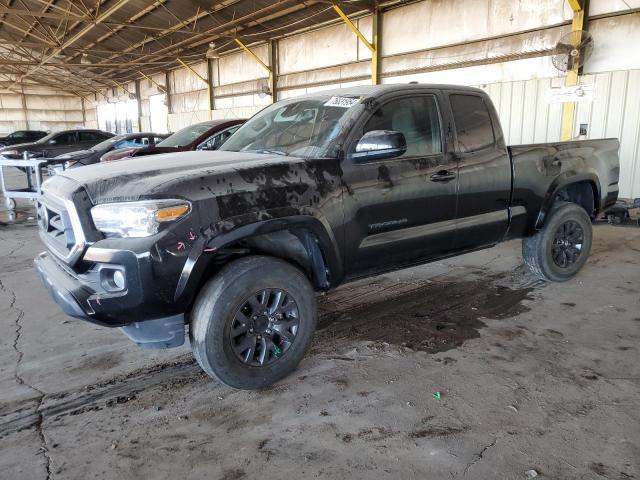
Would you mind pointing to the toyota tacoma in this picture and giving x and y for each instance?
(314, 191)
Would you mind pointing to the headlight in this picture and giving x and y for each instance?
(10, 152)
(69, 163)
(137, 219)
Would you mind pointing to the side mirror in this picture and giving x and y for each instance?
(378, 145)
(205, 146)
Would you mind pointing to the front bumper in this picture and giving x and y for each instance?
(67, 293)
(147, 316)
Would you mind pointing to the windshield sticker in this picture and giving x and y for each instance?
(343, 102)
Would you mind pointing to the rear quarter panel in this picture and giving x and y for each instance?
(541, 170)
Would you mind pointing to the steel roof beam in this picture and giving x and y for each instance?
(55, 16)
(102, 16)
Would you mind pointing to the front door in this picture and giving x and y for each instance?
(63, 143)
(86, 140)
(401, 210)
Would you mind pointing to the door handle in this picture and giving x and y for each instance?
(443, 176)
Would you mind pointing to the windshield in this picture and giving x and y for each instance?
(47, 138)
(107, 143)
(185, 136)
(304, 128)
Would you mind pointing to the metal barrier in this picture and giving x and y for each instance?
(33, 168)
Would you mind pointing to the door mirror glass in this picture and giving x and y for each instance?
(379, 145)
(214, 142)
(205, 145)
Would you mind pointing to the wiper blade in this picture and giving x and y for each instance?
(265, 150)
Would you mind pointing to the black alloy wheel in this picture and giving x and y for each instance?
(253, 321)
(567, 244)
(264, 327)
(559, 250)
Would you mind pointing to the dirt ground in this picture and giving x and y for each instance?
(461, 368)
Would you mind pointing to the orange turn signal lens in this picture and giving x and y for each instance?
(169, 214)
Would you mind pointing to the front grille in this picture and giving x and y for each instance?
(56, 222)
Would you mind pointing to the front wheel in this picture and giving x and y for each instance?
(253, 322)
(560, 249)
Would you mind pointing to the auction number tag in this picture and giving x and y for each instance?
(343, 102)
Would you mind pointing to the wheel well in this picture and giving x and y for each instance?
(300, 248)
(581, 193)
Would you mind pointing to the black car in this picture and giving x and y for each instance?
(22, 136)
(56, 144)
(80, 158)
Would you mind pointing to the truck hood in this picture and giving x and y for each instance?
(157, 150)
(143, 177)
(19, 146)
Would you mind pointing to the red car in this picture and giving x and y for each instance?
(208, 135)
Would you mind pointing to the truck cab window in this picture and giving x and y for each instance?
(65, 139)
(416, 118)
(473, 123)
(90, 137)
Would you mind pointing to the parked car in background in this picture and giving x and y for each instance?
(57, 143)
(22, 136)
(208, 135)
(80, 158)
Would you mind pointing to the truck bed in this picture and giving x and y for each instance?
(541, 170)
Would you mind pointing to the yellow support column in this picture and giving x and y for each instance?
(569, 108)
(375, 53)
(161, 88)
(373, 47)
(272, 78)
(204, 80)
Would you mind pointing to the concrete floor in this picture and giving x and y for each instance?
(531, 376)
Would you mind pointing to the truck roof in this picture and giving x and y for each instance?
(379, 90)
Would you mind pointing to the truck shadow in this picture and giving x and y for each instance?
(434, 317)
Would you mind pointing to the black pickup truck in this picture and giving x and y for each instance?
(310, 193)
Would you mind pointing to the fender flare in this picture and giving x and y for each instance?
(316, 238)
(563, 181)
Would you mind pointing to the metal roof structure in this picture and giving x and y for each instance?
(80, 46)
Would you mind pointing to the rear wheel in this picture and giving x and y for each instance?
(560, 249)
(253, 322)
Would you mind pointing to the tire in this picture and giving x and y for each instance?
(233, 301)
(539, 250)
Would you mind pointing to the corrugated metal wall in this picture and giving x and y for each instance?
(418, 36)
(45, 110)
(615, 112)
(525, 110)
(189, 97)
(149, 89)
(528, 115)
(237, 81)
